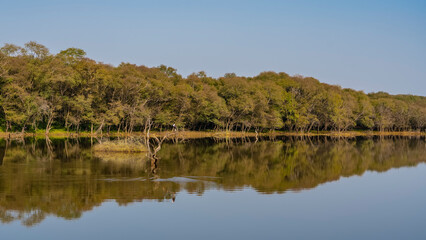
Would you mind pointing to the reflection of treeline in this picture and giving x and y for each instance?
(2, 151)
(276, 166)
(65, 178)
(67, 90)
(66, 182)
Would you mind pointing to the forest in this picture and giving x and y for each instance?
(41, 91)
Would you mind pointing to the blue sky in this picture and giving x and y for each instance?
(366, 45)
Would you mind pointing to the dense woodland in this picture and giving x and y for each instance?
(44, 91)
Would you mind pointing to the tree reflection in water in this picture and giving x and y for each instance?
(64, 178)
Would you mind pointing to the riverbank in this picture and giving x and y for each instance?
(217, 134)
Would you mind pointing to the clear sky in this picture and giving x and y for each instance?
(368, 45)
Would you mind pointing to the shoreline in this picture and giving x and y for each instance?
(219, 134)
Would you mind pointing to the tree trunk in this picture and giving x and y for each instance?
(131, 127)
(66, 121)
(100, 128)
(49, 124)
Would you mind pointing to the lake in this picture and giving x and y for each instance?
(286, 188)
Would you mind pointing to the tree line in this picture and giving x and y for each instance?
(40, 90)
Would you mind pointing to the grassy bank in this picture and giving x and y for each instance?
(121, 146)
(218, 134)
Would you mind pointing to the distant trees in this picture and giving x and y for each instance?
(40, 90)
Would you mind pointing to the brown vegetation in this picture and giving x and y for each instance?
(123, 146)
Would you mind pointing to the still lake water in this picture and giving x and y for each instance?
(286, 188)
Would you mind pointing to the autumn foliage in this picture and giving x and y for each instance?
(40, 90)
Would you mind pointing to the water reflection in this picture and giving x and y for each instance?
(65, 178)
(2, 151)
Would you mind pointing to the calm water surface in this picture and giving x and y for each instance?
(286, 188)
